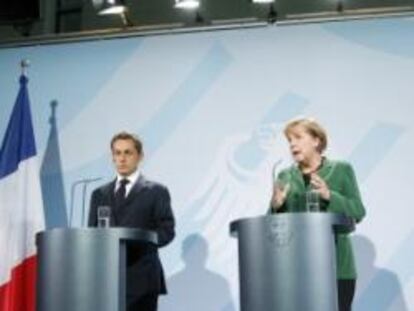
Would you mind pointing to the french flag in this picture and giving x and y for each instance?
(21, 208)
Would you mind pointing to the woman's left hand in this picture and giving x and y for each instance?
(320, 186)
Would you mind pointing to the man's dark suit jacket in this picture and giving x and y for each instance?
(147, 206)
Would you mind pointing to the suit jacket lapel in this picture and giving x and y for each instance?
(326, 170)
(109, 192)
(109, 197)
(297, 178)
(136, 188)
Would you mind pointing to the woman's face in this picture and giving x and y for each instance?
(303, 146)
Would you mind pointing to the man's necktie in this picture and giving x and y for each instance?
(120, 193)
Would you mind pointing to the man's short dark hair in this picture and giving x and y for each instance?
(128, 136)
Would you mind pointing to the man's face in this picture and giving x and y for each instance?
(125, 157)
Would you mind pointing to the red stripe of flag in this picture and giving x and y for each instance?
(19, 293)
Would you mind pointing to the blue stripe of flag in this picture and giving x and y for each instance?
(18, 142)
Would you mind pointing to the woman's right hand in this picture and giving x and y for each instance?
(280, 192)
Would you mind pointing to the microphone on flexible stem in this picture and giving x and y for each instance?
(275, 170)
(85, 182)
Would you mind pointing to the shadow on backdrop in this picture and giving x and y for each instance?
(378, 289)
(195, 287)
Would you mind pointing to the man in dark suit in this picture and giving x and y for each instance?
(136, 202)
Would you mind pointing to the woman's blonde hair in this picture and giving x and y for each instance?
(312, 127)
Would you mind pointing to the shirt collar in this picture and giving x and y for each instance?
(132, 178)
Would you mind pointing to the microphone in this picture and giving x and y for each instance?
(275, 170)
(84, 182)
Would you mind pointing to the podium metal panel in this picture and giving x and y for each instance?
(287, 261)
(84, 269)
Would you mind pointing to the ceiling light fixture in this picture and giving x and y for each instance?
(111, 7)
(187, 4)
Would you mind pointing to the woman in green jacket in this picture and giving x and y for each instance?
(335, 184)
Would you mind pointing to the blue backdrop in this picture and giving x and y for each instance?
(210, 108)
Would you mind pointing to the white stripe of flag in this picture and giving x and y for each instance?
(21, 208)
